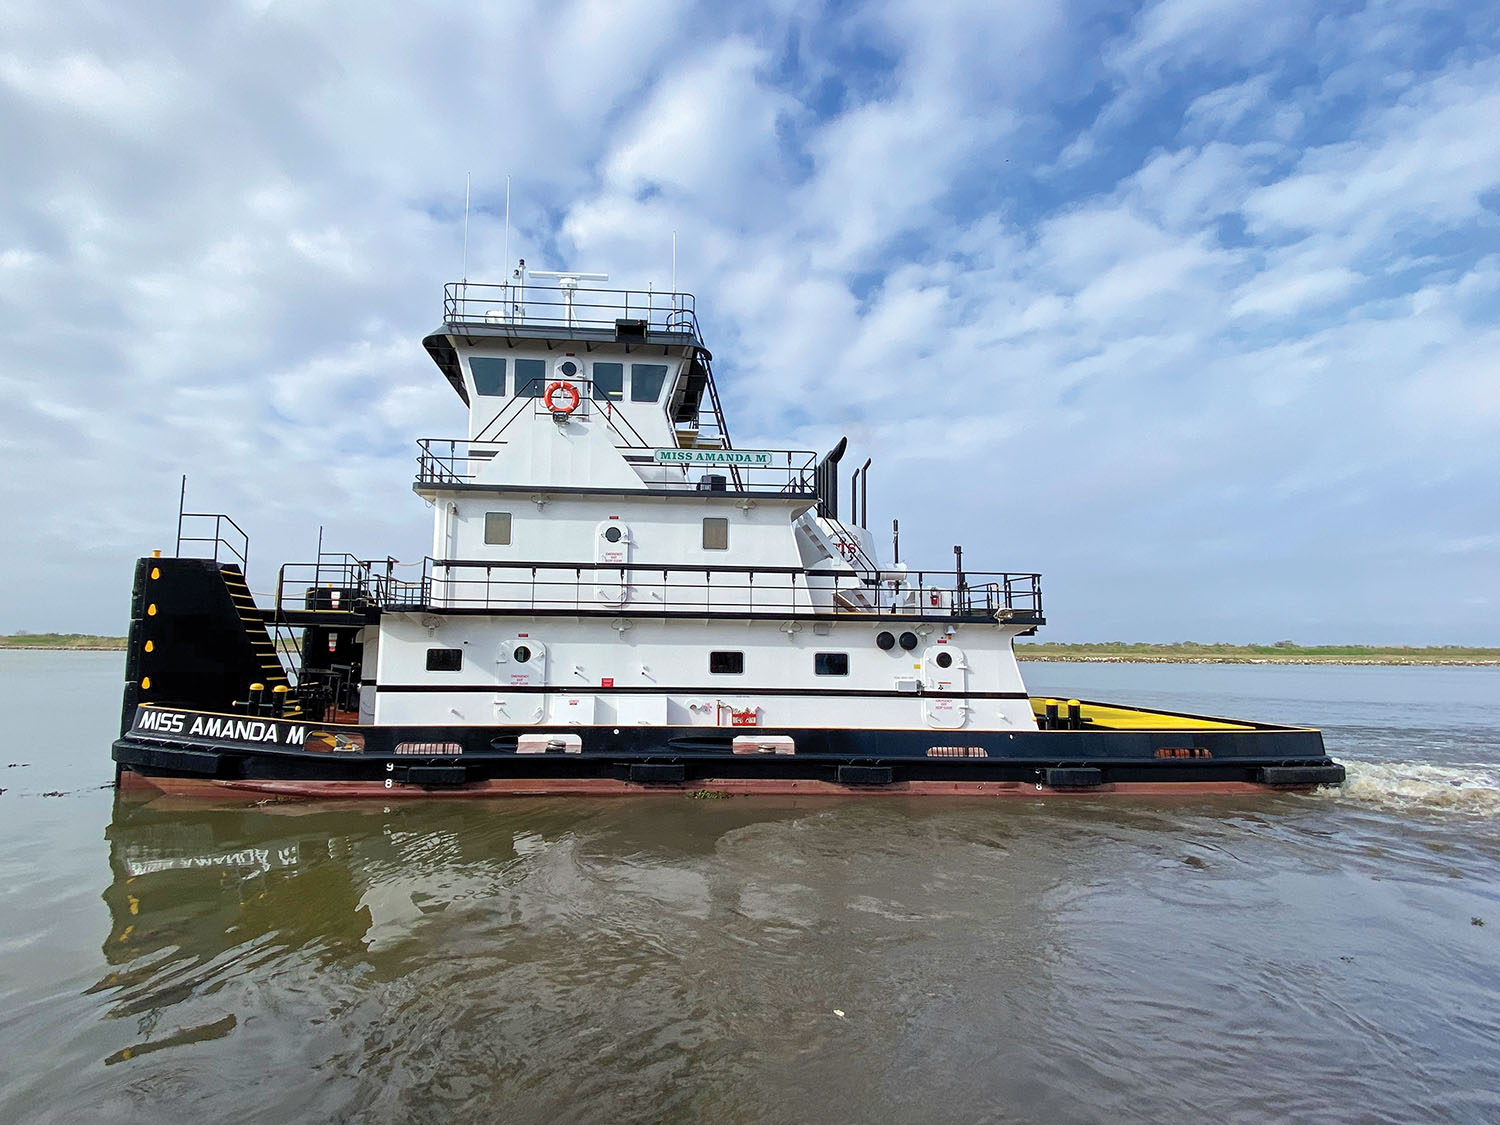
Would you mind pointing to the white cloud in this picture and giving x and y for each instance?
(1197, 328)
(707, 130)
(1428, 158)
(132, 96)
(1286, 292)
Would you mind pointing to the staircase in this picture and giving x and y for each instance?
(197, 639)
(273, 675)
(827, 535)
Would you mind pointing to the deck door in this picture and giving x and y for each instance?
(612, 540)
(945, 670)
(521, 664)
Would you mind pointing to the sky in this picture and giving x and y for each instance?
(1189, 305)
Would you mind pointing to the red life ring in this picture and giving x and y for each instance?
(567, 391)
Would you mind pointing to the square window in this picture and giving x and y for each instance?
(489, 375)
(831, 663)
(646, 380)
(445, 659)
(609, 381)
(497, 528)
(726, 663)
(531, 378)
(715, 533)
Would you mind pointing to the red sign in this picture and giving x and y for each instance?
(607, 681)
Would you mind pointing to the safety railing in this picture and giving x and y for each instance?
(787, 472)
(453, 460)
(767, 471)
(438, 585)
(336, 583)
(467, 302)
(216, 533)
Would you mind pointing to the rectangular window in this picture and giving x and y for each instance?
(726, 663)
(646, 380)
(831, 663)
(609, 381)
(497, 528)
(489, 375)
(531, 378)
(445, 659)
(715, 533)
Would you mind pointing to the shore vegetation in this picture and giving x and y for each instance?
(62, 641)
(1281, 652)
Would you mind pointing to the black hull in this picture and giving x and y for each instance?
(268, 755)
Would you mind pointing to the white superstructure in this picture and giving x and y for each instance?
(603, 556)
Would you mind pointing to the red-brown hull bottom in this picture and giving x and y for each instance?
(610, 787)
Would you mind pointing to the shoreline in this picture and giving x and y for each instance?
(1481, 659)
(1370, 661)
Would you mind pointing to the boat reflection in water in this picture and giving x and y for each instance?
(372, 955)
(672, 958)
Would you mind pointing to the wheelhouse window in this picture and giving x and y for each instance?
(497, 528)
(726, 663)
(445, 659)
(609, 382)
(489, 375)
(646, 380)
(831, 663)
(531, 378)
(715, 533)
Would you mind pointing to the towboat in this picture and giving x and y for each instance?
(619, 600)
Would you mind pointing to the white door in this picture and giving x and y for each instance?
(612, 541)
(945, 677)
(521, 664)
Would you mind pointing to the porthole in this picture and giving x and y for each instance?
(885, 640)
(522, 654)
(943, 660)
(612, 534)
(908, 641)
(568, 368)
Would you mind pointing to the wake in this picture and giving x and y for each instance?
(1413, 786)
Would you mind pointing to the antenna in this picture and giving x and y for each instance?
(507, 220)
(674, 261)
(466, 228)
(568, 281)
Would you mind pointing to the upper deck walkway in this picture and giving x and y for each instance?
(789, 473)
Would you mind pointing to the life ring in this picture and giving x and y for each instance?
(567, 391)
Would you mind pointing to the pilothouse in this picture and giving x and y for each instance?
(620, 600)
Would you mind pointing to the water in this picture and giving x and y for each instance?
(664, 959)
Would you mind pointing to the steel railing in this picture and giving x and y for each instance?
(437, 585)
(769, 472)
(227, 535)
(468, 302)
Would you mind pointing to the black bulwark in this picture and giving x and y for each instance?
(196, 639)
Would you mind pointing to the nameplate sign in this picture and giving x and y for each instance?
(749, 458)
(191, 726)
